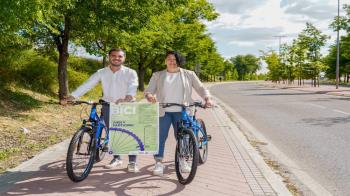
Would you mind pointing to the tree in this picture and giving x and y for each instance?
(344, 59)
(180, 28)
(11, 41)
(313, 40)
(340, 23)
(113, 23)
(246, 65)
(54, 25)
(273, 65)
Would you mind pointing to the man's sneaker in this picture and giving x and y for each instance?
(114, 163)
(132, 167)
(158, 169)
(185, 167)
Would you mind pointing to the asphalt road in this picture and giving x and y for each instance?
(311, 129)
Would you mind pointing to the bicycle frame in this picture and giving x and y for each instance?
(191, 122)
(98, 124)
(95, 149)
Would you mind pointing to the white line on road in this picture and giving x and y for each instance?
(339, 111)
(316, 105)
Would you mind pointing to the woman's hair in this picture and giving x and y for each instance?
(180, 60)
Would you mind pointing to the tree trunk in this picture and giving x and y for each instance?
(141, 73)
(104, 61)
(62, 46)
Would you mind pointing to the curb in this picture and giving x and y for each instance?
(336, 92)
(271, 177)
(339, 94)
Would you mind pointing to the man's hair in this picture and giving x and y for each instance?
(116, 50)
(180, 60)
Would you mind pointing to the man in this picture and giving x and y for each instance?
(119, 84)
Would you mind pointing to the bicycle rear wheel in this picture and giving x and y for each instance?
(80, 155)
(202, 142)
(186, 156)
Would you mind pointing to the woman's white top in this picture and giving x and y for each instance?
(173, 91)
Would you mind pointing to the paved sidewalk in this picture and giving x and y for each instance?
(323, 89)
(230, 170)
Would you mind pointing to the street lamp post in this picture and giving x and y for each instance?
(337, 63)
(279, 43)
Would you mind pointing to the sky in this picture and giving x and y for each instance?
(248, 26)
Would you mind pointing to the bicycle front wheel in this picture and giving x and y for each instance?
(202, 142)
(80, 155)
(101, 141)
(186, 156)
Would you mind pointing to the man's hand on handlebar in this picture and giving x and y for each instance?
(128, 98)
(67, 100)
(151, 98)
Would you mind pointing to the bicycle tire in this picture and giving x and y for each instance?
(180, 151)
(100, 154)
(202, 148)
(74, 148)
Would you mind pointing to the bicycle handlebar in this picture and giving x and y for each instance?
(196, 104)
(78, 102)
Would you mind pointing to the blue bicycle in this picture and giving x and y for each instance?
(192, 142)
(88, 145)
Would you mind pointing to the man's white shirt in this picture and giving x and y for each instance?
(114, 85)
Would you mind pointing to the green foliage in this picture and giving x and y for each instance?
(262, 76)
(235, 75)
(145, 29)
(84, 65)
(4, 154)
(246, 66)
(342, 23)
(344, 58)
(273, 65)
(77, 78)
(301, 59)
(80, 69)
(38, 73)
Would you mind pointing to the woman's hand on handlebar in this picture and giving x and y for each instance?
(208, 103)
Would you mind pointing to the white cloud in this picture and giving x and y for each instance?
(247, 26)
(226, 20)
(236, 6)
(238, 43)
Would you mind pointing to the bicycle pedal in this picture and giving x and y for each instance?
(105, 149)
(208, 137)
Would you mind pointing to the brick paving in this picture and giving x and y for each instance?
(229, 170)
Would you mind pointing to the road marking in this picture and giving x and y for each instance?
(339, 111)
(317, 106)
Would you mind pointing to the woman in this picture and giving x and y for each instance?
(172, 85)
